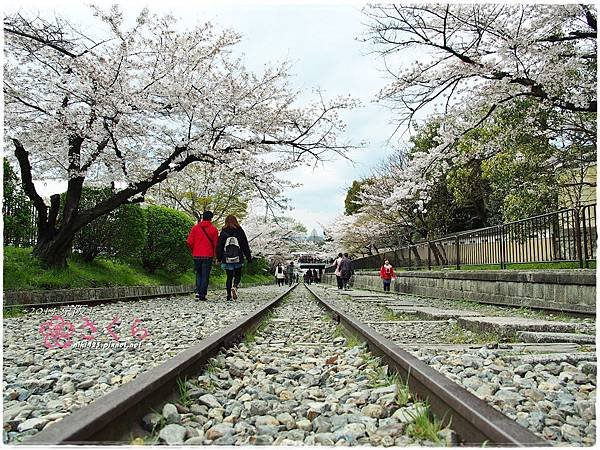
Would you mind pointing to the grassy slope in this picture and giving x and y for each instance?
(23, 272)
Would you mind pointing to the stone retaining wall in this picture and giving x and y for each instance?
(66, 296)
(563, 290)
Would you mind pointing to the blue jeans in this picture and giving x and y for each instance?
(202, 266)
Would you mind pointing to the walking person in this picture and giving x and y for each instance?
(231, 249)
(291, 269)
(279, 275)
(315, 276)
(387, 274)
(338, 273)
(345, 271)
(202, 242)
(309, 276)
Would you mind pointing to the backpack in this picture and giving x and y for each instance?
(233, 252)
(280, 270)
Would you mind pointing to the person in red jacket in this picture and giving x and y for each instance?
(202, 242)
(387, 274)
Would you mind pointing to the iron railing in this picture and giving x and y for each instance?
(568, 235)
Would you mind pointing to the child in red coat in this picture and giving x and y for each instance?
(387, 274)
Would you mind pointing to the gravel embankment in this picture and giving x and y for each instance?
(43, 385)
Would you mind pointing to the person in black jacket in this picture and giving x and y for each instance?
(231, 249)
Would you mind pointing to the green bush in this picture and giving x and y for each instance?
(166, 246)
(120, 234)
(259, 266)
(17, 209)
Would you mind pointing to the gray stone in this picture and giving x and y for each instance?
(374, 411)
(322, 425)
(171, 414)
(296, 435)
(266, 420)
(325, 439)
(570, 433)
(304, 424)
(68, 387)
(86, 384)
(151, 421)
(407, 414)
(259, 408)
(589, 368)
(32, 424)
(586, 409)
(267, 430)
(507, 397)
(338, 421)
(349, 432)
(219, 430)
(172, 434)
(287, 420)
(261, 439)
(523, 369)
(195, 441)
(392, 430)
(210, 401)
(225, 440)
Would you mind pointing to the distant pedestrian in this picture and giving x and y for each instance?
(290, 270)
(309, 276)
(279, 275)
(297, 276)
(346, 271)
(202, 242)
(387, 275)
(338, 272)
(231, 249)
(315, 276)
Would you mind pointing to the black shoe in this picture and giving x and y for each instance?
(197, 297)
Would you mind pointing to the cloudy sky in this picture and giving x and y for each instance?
(320, 41)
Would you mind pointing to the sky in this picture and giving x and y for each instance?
(321, 43)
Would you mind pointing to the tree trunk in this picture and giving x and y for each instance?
(53, 251)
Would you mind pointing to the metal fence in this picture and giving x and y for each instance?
(568, 235)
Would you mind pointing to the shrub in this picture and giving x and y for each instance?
(18, 212)
(166, 246)
(259, 266)
(120, 234)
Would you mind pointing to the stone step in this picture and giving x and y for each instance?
(403, 309)
(404, 322)
(577, 338)
(506, 326)
(354, 294)
(438, 314)
(523, 347)
(571, 358)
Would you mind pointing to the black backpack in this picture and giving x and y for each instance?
(233, 252)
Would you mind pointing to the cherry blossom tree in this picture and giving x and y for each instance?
(273, 236)
(475, 59)
(131, 105)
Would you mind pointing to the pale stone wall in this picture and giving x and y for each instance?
(563, 290)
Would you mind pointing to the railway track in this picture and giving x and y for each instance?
(546, 381)
(294, 381)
